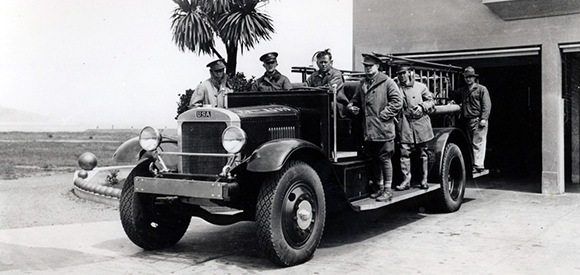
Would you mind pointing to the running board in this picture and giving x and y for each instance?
(370, 204)
(481, 174)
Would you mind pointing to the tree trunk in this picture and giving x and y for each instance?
(232, 62)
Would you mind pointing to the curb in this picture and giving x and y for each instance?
(92, 188)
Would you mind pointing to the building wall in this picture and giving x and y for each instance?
(446, 25)
(421, 26)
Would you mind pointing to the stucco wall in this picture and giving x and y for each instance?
(449, 25)
(415, 26)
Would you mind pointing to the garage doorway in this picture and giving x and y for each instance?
(571, 95)
(513, 78)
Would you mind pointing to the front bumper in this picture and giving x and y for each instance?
(185, 188)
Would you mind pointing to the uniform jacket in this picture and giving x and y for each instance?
(475, 102)
(415, 128)
(333, 76)
(380, 101)
(275, 82)
(211, 92)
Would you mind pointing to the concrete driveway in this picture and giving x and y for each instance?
(503, 227)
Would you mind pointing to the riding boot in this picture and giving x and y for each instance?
(425, 166)
(406, 170)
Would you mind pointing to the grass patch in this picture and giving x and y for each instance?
(39, 153)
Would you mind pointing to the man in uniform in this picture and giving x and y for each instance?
(213, 90)
(380, 100)
(272, 80)
(326, 76)
(414, 127)
(475, 110)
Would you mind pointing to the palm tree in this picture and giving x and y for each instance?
(239, 24)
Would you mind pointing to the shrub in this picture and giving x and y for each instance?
(112, 178)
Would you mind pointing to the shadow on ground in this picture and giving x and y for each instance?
(526, 184)
(237, 244)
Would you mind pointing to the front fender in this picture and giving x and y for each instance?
(444, 136)
(271, 156)
(131, 151)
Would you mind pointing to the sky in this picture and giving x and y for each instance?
(81, 64)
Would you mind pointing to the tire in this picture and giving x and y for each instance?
(286, 237)
(453, 177)
(150, 226)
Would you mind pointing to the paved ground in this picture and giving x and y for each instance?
(504, 227)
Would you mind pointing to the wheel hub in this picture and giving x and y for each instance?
(304, 214)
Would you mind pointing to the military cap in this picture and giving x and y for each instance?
(269, 57)
(402, 67)
(469, 71)
(371, 59)
(217, 64)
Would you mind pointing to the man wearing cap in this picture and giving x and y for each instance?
(326, 76)
(272, 80)
(213, 90)
(379, 100)
(475, 110)
(414, 127)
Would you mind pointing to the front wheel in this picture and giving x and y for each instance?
(290, 214)
(147, 222)
(450, 196)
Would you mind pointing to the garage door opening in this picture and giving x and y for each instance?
(571, 95)
(514, 145)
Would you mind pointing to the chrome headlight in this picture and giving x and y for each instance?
(149, 139)
(233, 139)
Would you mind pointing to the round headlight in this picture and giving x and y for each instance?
(233, 139)
(150, 138)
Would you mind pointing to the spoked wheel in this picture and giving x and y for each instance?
(290, 214)
(149, 223)
(450, 197)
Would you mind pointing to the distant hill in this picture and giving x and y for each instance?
(14, 115)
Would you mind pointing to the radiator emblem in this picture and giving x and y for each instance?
(203, 114)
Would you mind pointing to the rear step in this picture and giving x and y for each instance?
(369, 204)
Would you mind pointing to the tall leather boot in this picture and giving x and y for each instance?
(425, 166)
(406, 170)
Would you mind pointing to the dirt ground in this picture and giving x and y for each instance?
(47, 200)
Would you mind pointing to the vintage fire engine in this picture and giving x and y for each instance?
(282, 159)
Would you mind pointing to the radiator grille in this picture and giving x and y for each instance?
(203, 137)
(282, 132)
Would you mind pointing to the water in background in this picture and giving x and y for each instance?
(47, 127)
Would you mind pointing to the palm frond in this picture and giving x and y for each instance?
(191, 28)
(244, 25)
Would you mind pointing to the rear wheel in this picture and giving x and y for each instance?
(148, 222)
(450, 196)
(290, 214)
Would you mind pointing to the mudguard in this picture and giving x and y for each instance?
(271, 156)
(131, 152)
(444, 136)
